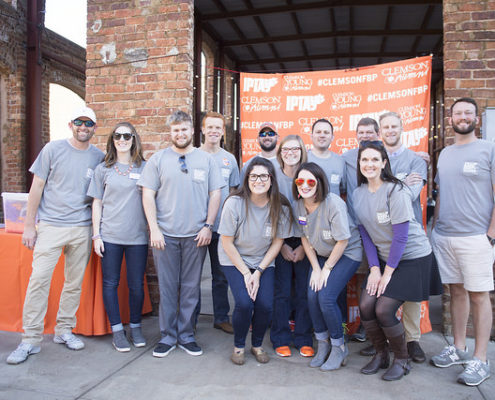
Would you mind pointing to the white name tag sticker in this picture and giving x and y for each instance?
(302, 220)
(383, 217)
(268, 230)
(90, 173)
(134, 175)
(470, 167)
(326, 234)
(199, 175)
(401, 176)
(335, 179)
(226, 172)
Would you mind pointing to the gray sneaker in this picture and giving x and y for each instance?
(450, 355)
(23, 351)
(120, 342)
(476, 371)
(338, 357)
(71, 341)
(137, 337)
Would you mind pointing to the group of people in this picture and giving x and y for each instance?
(286, 233)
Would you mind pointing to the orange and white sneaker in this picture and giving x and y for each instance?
(307, 351)
(283, 351)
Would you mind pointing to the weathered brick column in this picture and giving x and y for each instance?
(469, 70)
(139, 69)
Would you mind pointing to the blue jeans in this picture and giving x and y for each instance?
(247, 312)
(280, 333)
(323, 305)
(219, 284)
(111, 262)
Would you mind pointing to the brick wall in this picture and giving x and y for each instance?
(140, 69)
(469, 70)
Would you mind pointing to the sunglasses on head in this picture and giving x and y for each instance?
(182, 162)
(267, 133)
(126, 136)
(87, 124)
(300, 181)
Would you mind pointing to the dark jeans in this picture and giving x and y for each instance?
(247, 312)
(280, 333)
(323, 305)
(135, 259)
(219, 284)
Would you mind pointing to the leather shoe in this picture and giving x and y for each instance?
(368, 351)
(415, 352)
(225, 326)
(399, 368)
(379, 360)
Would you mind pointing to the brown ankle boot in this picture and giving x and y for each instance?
(397, 341)
(381, 359)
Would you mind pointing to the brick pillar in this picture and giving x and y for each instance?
(140, 69)
(469, 70)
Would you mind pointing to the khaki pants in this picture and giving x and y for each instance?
(411, 316)
(75, 241)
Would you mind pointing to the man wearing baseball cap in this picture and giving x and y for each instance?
(62, 172)
(267, 139)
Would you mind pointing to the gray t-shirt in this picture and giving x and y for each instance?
(388, 206)
(251, 232)
(405, 163)
(229, 170)
(328, 224)
(350, 158)
(334, 168)
(67, 172)
(466, 175)
(285, 188)
(273, 160)
(181, 198)
(122, 219)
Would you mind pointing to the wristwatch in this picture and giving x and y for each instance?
(209, 226)
(491, 240)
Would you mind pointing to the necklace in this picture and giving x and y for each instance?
(123, 173)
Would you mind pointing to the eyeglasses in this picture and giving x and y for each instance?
(87, 124)
(262, 177)
(182, 162)
(300, 181)
(290, 149)
(267, 133)
(126, 136)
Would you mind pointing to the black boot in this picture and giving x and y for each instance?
(397, 340)
(381, 359)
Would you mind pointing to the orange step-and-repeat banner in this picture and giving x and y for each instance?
(294, 101)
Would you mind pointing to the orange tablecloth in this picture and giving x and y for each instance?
(15, 270)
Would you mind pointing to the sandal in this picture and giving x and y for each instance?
(260, 355)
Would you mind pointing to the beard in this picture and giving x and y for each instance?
(464, 131)
(269, 147)
(182, 145)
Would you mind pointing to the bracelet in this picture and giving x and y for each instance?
(96, 237)
(327, 267)
(259, 269)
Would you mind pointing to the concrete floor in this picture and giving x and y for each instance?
(99, 372)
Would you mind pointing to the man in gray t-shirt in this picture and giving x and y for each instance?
(332, 164)
(267, 139)
(412, 170)
(213, 128)
(463, 239)
(181, 196)
(62, 172)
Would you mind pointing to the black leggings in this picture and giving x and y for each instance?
(382, 309)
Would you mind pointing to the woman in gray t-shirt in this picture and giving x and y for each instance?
(333, 248)
(399, 256)
(254, 223)
(119, 227)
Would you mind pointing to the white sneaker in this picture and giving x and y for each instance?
(71, 341)
(23, 351)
